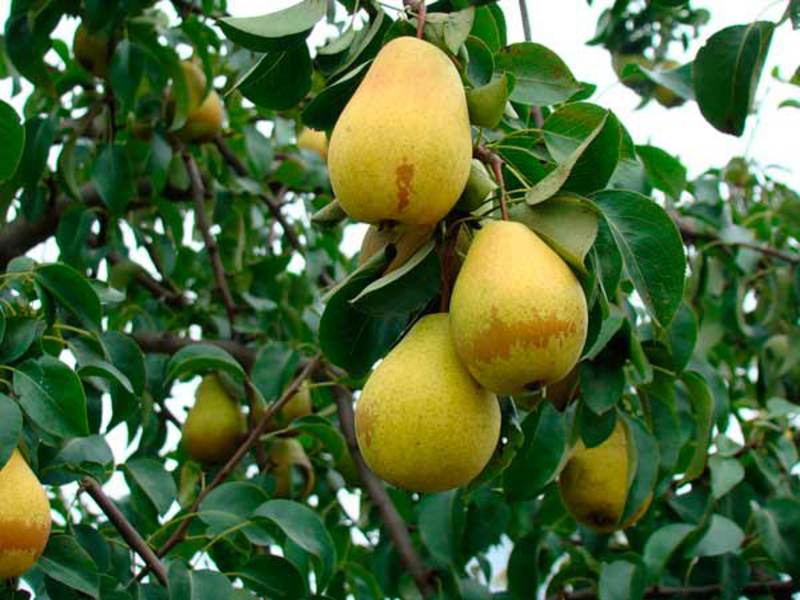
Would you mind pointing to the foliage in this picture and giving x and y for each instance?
(693, 290)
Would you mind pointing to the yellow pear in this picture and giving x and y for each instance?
(518, 313)
(215, 425)
(422, 422)
(594, 483)
(402, 147)
(299, 405)
(24, 517)
(407, 239)
(206, 113)
(313, 140)
(93, 50)
(286, 455)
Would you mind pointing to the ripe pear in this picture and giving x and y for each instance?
(215, 425)
(313, 140)
(407, 239)
(24, 517)
(206, 113)
(286, 455)
(422, 422)
(93, 50)
(518, 313)
(402, 147)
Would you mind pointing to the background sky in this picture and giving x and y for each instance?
(771, 139)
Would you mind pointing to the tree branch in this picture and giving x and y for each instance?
(19, 237)
(201, 218)
(488, 157)
(153, 286)
(125, 529)
(151, 341)
(700, 591)
(526, 20)
(394, 523)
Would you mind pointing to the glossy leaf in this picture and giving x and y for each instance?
(276, 29)
(13, 135)
(199, 358)
(541, 76)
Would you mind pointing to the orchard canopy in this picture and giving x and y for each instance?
(562, 365)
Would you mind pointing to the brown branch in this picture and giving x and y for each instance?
(395, 526)
(153, 286)
(700, 591)
(203, 223)
(21, 235)
(165, 343)
(125, 529)
(252, 439)
(526, 20)
(488, 157)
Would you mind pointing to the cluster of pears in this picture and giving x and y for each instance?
(216, 426)
(24, 517)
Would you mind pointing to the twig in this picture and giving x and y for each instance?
(166, 343)
(700, 591)
(488, 157)
(204, 224)
(153, 286)
(125, 529)
(526, 21)
(422, 13)
(395, 526)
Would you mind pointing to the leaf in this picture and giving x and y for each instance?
(274, 577)
(651, 248)
(480, 67)
(682, 336)
(567, 222)
(67, 562)
(664, 172)
(678, 80)
(149, 475)
(647, 461)
(324, 109)
(538, 460)
(26, 47)
(113, 177)
(126, 70)
(280, 80)
(20, 334)
(722, 536)
(80, 456)
(197, 358)
(523, 575)
(726, 473)
(72, 291)
(602, 381)
(306, 529)
(661, 545)
(196, 584)
(274, 30)
(51, 394)
(437, 526)
(726, 73)
(778, 525)
(320, 428)
(232, 505)
(404, 290)
(13, 135)
(10, 428)
(542, 78)
(621, 580)
(273, 368)
(39, 135)
(105, 370)
(127, 357)
(449, 30)
(703, 413)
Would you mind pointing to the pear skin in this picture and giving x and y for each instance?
(422, 422)
(206, 113)
(215, 424)
(518, 313)
(313, 140)
(407, 239)
(402, 147)
(299, 405)
(285, 455)
(24, 517)
(93, 50)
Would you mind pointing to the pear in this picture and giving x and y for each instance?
(594, 483)
(93, 50)
(299, 405)
(24, 517)
(479, 186)
(215, 425)
(206, 113)
(402, 147)
(313, 140)
(286, 455)
(407, 239)
(518, 313)
(422, 422)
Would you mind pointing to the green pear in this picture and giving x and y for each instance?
(422, 422)
(487, 103)
(206, 112)
(299, 405)
(518, 313)
(479, 185)
(24, 517)
(93, 50)
(215, 425)
(286, 455)
(401, 148)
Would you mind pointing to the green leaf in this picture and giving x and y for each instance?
(273, 369)
(523, 575)
(149, 475)
(113, 177)
(72, 291)
(126, 70)
(480, 67)
(195, 584)
(437, 526)
(621, 580)
(721, 537)
(778, 525)
(105, 370)
(51, 394)
(449, 30)
(602, 381)
(274, 30)
(682, 336)
(274, 577)
(13, 135)
(404, 290)
(726, 73)
(324, 110)
(20, 334)
(320, 428)
(280, 80)
(664, 171)
(726, 473)
(39, 135)
(651, 248)
(26, 45)
(487, 28)
(198, 358)
(306, 529)
(67, 562)
(703, 413)
(661, 545)
(127, 357)
(542, 78)
(10, 428)
(538, 460)
(232, 505)
(80, 456)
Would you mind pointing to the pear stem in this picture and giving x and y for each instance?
(492, 159)
(422, 12)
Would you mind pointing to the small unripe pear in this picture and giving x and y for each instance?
(93, 50)
(299, 405)
(479, 185)
(487, 104)
(215, 425)
(286, 455)
(24, 517)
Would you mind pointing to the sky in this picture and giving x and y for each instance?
(564, 26)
